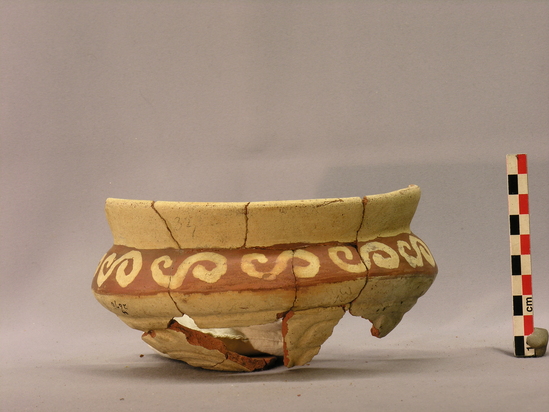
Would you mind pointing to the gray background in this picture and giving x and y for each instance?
(265, 100)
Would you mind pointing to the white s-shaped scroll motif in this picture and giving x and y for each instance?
(249, 268)
(309, 271)
(390, 261)
(110, 263)
(349, 267)
(421, 250)
(199, 271)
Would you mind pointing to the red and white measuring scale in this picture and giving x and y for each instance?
(521, 263)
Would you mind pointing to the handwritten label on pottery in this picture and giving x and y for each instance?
(120, 306)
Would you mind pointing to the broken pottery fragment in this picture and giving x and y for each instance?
(241, 286)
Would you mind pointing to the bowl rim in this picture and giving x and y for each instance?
(146, 224)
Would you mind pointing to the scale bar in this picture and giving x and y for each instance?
(521, 263)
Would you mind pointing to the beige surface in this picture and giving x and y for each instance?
(157, 225)
(328, 294)
(389, 214)
(161, 224)
(232, 309)
(303, 221)
(135, 223)
(307, 330)
(205, 225)
(175, 345)
(141, 312)
(384, 301)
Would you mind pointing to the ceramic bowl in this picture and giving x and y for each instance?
(243, 286)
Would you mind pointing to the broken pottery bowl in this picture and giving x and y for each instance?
(241, 286)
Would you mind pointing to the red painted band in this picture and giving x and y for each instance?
(523, 204)
(524, 244)
(528, 325)
(526, 284)
(522, 164)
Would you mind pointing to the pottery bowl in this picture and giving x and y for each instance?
(242, 286)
